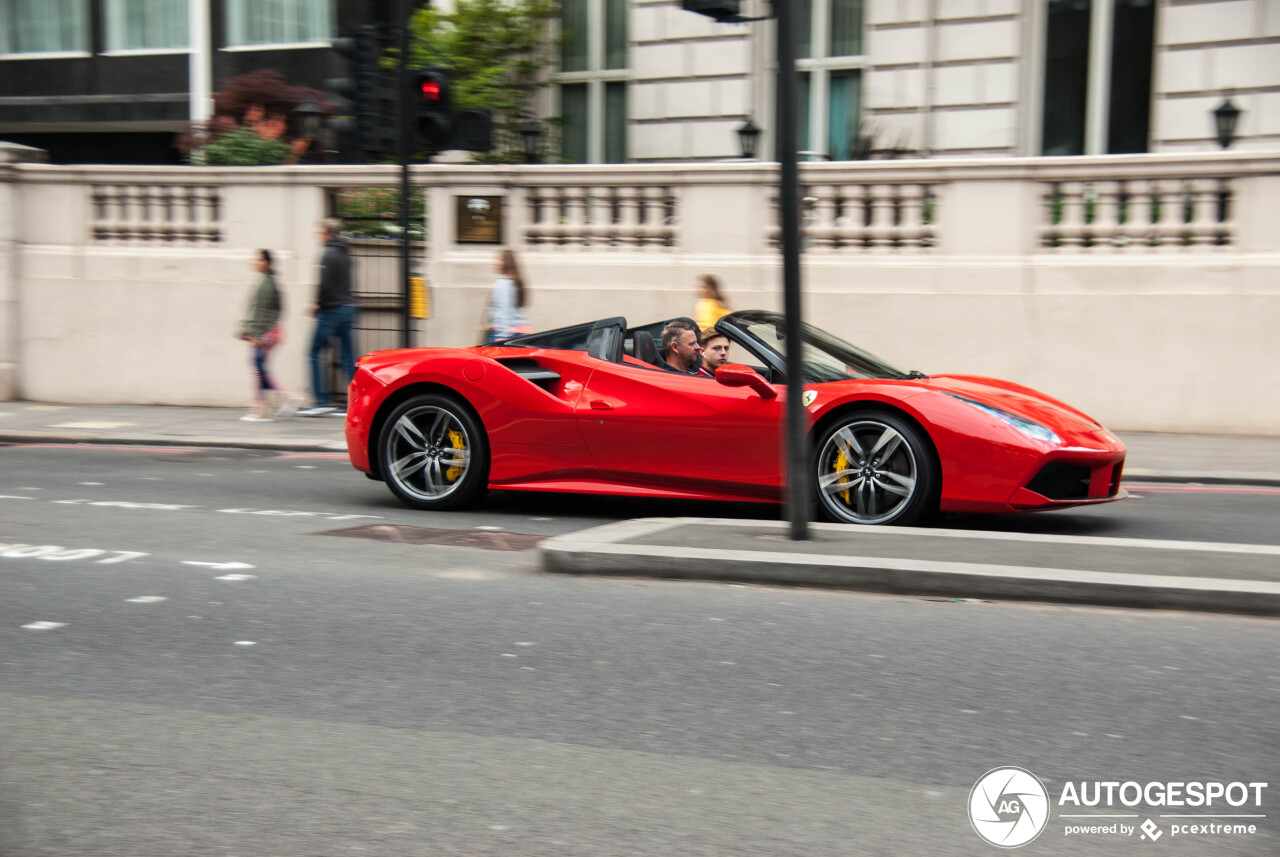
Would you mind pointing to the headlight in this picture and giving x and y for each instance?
(1035, 431)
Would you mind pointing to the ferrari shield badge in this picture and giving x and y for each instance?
(809, 396)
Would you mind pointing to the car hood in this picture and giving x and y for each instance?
(1015, 399)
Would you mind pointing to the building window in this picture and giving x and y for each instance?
(279, 22)
(1097, 76)
(44, 26)
(147, 25)
(593, 81)
(830, 58)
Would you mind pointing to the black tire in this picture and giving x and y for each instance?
(433, 453)
(888, 465)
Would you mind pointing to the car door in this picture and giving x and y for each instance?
(663, 429)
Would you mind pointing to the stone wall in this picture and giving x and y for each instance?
(1142, 289)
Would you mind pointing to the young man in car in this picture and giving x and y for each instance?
(715, 351)
(680, 348)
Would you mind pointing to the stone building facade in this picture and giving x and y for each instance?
(934, 78)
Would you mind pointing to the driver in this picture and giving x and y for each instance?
(715, 351)
(680, 347)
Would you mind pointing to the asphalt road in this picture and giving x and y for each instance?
(298, 692)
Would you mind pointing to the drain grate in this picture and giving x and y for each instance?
(406, 535)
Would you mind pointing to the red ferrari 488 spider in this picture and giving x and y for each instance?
(589, 409)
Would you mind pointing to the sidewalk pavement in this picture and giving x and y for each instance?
(950, 564)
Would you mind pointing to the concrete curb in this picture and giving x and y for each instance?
(276, 444)
(1204, 478)
(603, 551)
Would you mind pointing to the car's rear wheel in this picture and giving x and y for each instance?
(876, 468)
(433, 453)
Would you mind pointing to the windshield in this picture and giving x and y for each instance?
(823, 357)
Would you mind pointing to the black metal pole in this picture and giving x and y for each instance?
(405, 126)
(799, 494)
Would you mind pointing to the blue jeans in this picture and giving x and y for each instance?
(335, 322)
(260, 368)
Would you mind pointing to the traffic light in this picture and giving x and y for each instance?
(363, 123)
(439, 126)
(435, 120)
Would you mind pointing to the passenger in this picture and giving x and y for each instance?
(715, 351)
(680, 348)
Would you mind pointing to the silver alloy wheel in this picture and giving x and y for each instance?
(867, 472)
(423, 456)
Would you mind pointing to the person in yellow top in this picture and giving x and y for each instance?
(711, 305)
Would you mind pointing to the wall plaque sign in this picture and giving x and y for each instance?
(479, 219)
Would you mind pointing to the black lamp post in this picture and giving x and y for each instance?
(530, 132)
(309, 117)
(748, 139)
(1224, 121)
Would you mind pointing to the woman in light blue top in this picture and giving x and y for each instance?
(507, 299)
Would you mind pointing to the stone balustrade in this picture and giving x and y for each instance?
(1132, 286)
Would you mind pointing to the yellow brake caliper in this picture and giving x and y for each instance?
(457, 441)
(842, 463)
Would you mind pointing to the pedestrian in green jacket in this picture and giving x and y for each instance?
(261, 329)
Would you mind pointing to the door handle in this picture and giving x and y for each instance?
(600, 405)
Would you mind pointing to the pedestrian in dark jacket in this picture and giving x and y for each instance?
(335, 314)
(261, 329)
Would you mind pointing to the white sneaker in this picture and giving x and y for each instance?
(288, 407)
(255, 417)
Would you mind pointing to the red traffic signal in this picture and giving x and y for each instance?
(432, 88)
(435, 121)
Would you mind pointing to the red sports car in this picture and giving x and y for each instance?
(589, 409)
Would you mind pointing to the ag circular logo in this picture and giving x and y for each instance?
(1008, 807)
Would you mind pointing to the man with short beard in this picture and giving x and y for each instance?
(680, 348)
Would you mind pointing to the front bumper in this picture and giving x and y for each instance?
(1066, 480)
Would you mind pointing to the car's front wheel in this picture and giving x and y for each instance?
(433, 453)
(876, 468)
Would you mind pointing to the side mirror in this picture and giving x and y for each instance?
(737, 375)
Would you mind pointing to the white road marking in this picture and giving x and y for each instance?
(177, 507)
(45, 626)
(487, 528)
(245, 643)
(147, 599)
(237, 577)
(524, 644)
(221, 566)
(90, 483)
(288, 513)
(89, 424)
(59, 553)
